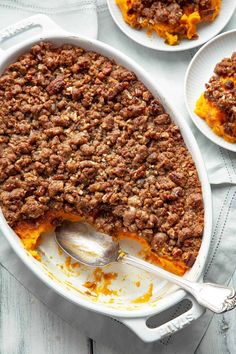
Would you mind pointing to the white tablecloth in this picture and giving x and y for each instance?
(93, 19)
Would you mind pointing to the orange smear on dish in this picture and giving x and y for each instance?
(68, 263)
(145, 297)
(101, 282)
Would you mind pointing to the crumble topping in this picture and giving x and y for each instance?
(82, 134)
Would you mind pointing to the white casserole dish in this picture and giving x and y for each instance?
(70, 286)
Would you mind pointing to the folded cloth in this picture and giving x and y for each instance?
(82, 17)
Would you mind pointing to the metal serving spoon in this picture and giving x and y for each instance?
(86, 245)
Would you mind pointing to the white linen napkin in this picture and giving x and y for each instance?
(84, 17)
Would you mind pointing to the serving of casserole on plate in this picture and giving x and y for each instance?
(173, 25)
(171, 20)
(217, 105)
(210, 90)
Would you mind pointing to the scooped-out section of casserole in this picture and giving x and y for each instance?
(83, 139)
(172, 20)
(217, 105)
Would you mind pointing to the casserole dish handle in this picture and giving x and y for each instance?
(147, 334)
(42, 21)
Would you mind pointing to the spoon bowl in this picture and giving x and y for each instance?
(86, 245)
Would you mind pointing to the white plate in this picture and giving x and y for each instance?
(199, 72)
(205, 31)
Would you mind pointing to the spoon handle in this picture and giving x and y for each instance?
(215, 297)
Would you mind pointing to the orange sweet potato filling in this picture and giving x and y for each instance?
(30, 237)
(172, 34)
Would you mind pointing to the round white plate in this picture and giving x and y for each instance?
(198, 74)
(205, 31)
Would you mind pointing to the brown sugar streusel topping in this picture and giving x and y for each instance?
(82, 134)
(170, 11)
